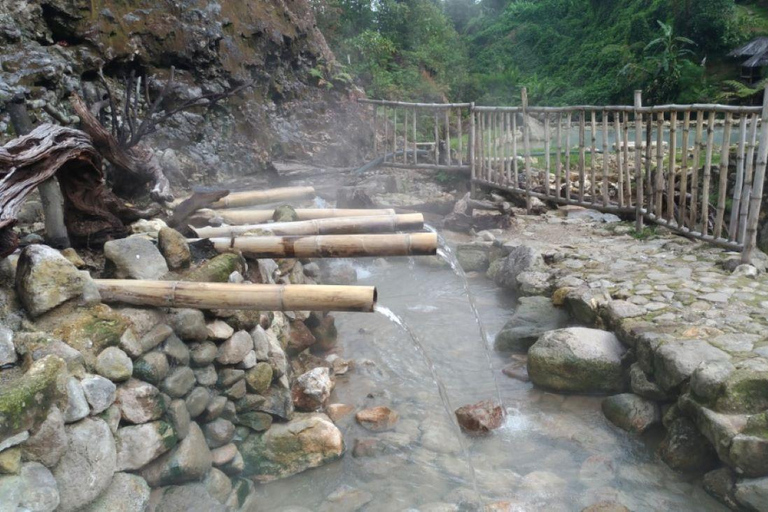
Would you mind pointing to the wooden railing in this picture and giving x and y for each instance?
(696, 169)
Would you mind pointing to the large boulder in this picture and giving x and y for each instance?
(135, 258)
(752, 493)
(33, 489)
(520, 259)
(138, 445)
(533, 317)
(86, 468)
(685, 449)
(190, 460)
(126, 493)
(308, 441)
(675, 361)
(45, 279)
(578, 360)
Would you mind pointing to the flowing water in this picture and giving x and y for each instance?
(554, 452)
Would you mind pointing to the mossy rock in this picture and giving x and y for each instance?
(25, 401)
(218, 269)
(285, 213)
(745, 392)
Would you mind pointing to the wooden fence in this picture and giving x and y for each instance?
(697, 169)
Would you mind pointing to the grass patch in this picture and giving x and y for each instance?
(647, 233)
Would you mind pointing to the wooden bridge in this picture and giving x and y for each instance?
(697, 169)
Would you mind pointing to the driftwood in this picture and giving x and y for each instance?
(135, 166)
(264, 297)
(92, 213)
(188, 207)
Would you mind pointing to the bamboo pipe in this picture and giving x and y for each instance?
(265, 297)
(332, 246)
(337, 226)
(254, 197)
(238, 217)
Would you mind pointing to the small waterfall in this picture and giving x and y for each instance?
(397, 320)
(444, 251)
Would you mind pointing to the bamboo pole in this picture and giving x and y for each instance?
(707, 174)
(619, 163)
(255, 197)
(625, 159)
(753, 218)
(236, 217)
(507, 146)
(582, 154)
(394, 135)
(386, 134)
(659, 182)
(447, 117)
(672, 165)
(527, 148)
(415, 140)
(547, 157)
(471, 143)
(684, 169)
(514, 152)
(606, 197)
(723, 182)
(489, 155)
(749, 172)
(263, 297)
(593, 168)
(638, 162)
(696, 165)
(334, 226)
(567, 174)
(405, 137)
(558, 151)
(331, 246)
(733, 225)
(437, 140)
(493, 149)
(375, 130)
(461, 137)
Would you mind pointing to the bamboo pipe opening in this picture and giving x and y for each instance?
(263, 297)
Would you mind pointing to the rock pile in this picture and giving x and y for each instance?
(152, 409)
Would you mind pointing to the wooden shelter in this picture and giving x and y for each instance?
(756, 53)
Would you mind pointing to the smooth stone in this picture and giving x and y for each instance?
(137, 445)
(235, 348)
(114, 364)
(189, 461)
(685, 449)
(197, 401)
(176, 350)
(139, 402)
(312, 390)
(631, 412)
(155, 337)
(33, 489)
(179, 417)
(218, 432)
(203, 353)
(481, 417)
(258, 421)
(260, 343)
(48, 441)
(675, 361)
(188, 324)
(45, 279)
(179, 382)
(223, 454)
(183, 498)
(753, 493)
(152, 367)
(135, 258)
(219, 330)
(218, 484)
(99, 392)
(7, 348)
(77, 405)
(377, 419)
(174, 248)
(533, 317)
(126, 493)
(206, 376)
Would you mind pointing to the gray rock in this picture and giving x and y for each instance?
(206, 376)
(174, 247)
(179, 382)
(578, 360)
(278, 402)
(188, 324)
(218, 485)
(139, 401)
(642, 386)
(219, 330)
(721, 484)
(346, 499)
(7, 349)
(179, 416)
(534, 283)
(631, 412)
(215, 407)
(277, 358)
(752, 493)
(218, 432)
(45, 279)
(155, 336)
(260, 343)
(152, 367)
(473, 257)
(617, 310)
(203, 354)
(197, 401)
(135, 258)
(176, 350)
(709, 378)
(520, 259)
(749, 453)
(230, 376)
(235, 348)
(130, 344)
(99, 392)
(533, 317)
(583, 304)
(312, 390)
(33, 489)
(190, 460)
(86, 468)
(675, 361)
(138, 445)
(183, 498)
(114, 364)
(77, 406)
(685, 449)
(48, 442)
(126, 493)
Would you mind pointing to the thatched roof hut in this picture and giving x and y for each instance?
(756, 52)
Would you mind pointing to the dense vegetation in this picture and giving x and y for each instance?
(563, 51)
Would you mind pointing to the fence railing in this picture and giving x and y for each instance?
(696, 169)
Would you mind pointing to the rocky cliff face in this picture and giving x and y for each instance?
(298, 107)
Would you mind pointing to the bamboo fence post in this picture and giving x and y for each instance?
(264, 297)
(733, 225)
(559, 148)
(437, 139)
(582, 153)
(415, 139)
(625, 154)
(375, 130)
(493, 148)
(386, 134)
(672, 166)
(707, 174)
(527, 149)
(648, 163)
(606, 152)
(684, 169)
(638, 162)
(471, 143)
(394, 135)
(749, 171)
(593, 169)
(547, 158)
(619, 163)
(514, 151)
(753, 218)
(696, 165)
(405, 137)
(489, 142)
(447, 119)
(567, 174)
(723, 184)
(461, 137)
(507, 146)
(659, 182)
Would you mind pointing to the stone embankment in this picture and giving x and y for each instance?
(132, 409)
(675, 332)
